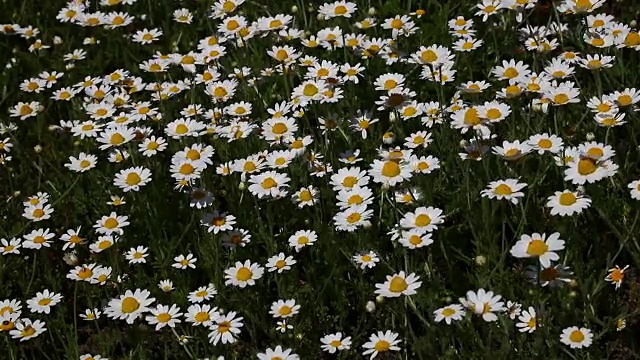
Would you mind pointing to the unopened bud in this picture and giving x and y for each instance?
(379, 299)
(372, 11)
(371, 306)
(590, 136)
(37, 149)
(57, 40)
(294, 9)
(242, 186)
(480, 260)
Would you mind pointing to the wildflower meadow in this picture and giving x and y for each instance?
(297, 179)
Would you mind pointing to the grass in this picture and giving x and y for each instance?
(471, 249)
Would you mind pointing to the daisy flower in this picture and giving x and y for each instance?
(43, 301)
(399, 284)
(335, 342)
(484, 303)
(203, 293)
(527, 321)
(163, 315)
(132, 179)
(280, 263)
(616, 275)
(567, 203)
(284, 308)
(182, 262)
(26, 329)
(278, 354)
(576, 338)
(225, 329)
(423, 219)
(381, 342)
(508, 189)
(352, 218)
(201, 315)
(538, 246)
(111, 224)
(129, 306)
(243, 274)
(449, 313)
(366, 260)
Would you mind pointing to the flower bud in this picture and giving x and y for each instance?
(480, 260)
(371, 306)
(372, 11)
(294, 9)
(379, 299)
(590, 136)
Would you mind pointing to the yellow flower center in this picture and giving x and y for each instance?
(186, 169)
(448, 312)
(510, 73)
(310, 90)
(355, 200)
(396, 24)
(163, 318)
(422, 220)
(111, 223)
(390, 169)
(132, 179)
(567, 199)
(129, 305)
(398, 284)
(471, 117)
(503, 189)
(85, 273)
(586, 166)
(576, 336)
(537, 247)
(353, 218)
(429, 56)
(269, 183)
(285, 310)
(25, 110)
(279, 128)
(340, 10)
(244, 274)
(202, 316)
(381, 346)
(545, 143)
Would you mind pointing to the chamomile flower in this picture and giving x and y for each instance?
(302, 238)
(218, 221)
(278, 354)
(635, 189)
(616, 275)
(332, 343)
(366, 260)
(37, 239)
(284, 308)
(567, 203)
(399, 284)
(415, 238)
(527, 321)
(43, 302)
(225, 328)
(243, 274)
(449, 313)
(352, 218)
(10, 247)
(269, 184)
(163, 315)
(306, 196)
(137, 255)
(576, 338)
(203, 293)
(26, 329)
(280, 263)
(484, 303)
(111, 224)
(129, 306)
(539, 246)
(132, 179)
(423, 219)
(203, 315)
(380, 343)
(508, 189)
